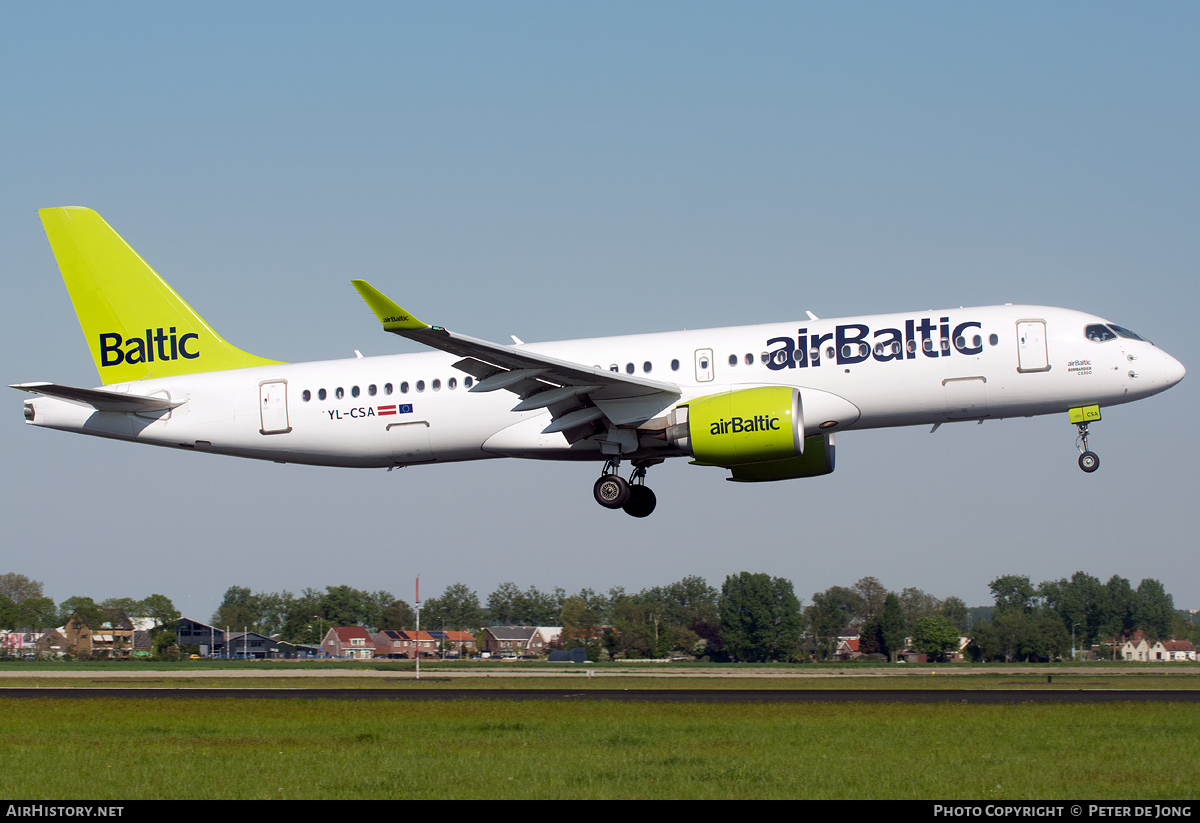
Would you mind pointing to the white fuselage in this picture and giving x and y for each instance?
(867, 372)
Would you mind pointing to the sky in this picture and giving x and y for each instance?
(575, 170)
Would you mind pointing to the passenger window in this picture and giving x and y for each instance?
(733, 359)
(994, 339)
(320, 394)
(371, 390)
(977, 342)
(307, 395)
(829, 353)
(387, 388)
(750, 358)
(404, 387)
(437, 385)
(674, 365)
(927, 345)
(629, 368)
(614, 367)
(452, 383)
(912, 346)
(468, 382)
(340, 392)
(354, 391)
(420, 385)
(646, 367)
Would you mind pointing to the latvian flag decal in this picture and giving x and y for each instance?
(386, 410)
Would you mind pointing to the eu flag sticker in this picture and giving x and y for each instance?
(404, 408)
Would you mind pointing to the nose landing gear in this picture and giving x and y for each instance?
(633, 496)
(1088, 460)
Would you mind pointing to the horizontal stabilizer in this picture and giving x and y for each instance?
(100, 400)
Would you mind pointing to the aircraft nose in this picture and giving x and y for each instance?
(1173, 370)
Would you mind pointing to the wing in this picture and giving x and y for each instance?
(578, 397)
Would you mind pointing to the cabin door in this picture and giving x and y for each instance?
(272, 404)
(1031, 346)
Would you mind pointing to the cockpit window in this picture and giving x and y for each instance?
(1098, 333)
(1127, 333)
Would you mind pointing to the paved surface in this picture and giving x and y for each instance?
(971, 696)
(267, 669)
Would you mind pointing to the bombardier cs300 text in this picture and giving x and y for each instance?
(764, 402)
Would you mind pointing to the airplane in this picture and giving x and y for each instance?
(764, 402)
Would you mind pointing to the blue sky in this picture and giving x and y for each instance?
(552, 171)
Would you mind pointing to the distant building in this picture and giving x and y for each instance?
(349, 642)
(109, 635)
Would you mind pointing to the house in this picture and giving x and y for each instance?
(519, 641)
(1179, 650)
(348, 641)
(109, 633)
(1136, 648)
(507, 641)
(454, 644)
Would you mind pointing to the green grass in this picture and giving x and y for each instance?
(122, 750)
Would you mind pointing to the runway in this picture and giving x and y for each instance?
(420, 693)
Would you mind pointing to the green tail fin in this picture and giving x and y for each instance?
(135, 324)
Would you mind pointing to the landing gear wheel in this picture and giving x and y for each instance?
(641, 502)
(611, 491)
(1089, 462)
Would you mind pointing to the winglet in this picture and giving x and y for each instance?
(393, 317)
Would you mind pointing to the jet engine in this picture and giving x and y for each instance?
(757, 433)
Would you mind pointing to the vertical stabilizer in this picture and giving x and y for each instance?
(135, 324)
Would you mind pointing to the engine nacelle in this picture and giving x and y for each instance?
(816, 461)
(739, 427)
(758, 434)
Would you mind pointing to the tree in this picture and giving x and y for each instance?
(955, 610)
(346, 606)
(873, 594)
(239, 610)
(18, 587)
(891, 627)
(458, 609)
(935, 636)
(1154, 610)
(1013, 592)
(760, 617)
(398, 616)
(831, 612)
(916, 604)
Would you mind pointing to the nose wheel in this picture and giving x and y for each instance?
(1089, 461)
(614, 492)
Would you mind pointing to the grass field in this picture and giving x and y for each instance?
(122, 750)
(115, 749)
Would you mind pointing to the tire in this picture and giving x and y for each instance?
(611, 491)
(641, 502)
(1089, 462)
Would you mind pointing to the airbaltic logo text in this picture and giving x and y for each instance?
(856, 342)
(138, 350)
(739, 425)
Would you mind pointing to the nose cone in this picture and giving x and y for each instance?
(1173, 370)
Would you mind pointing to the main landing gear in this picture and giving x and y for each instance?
(1088, 460)
(614, 492)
